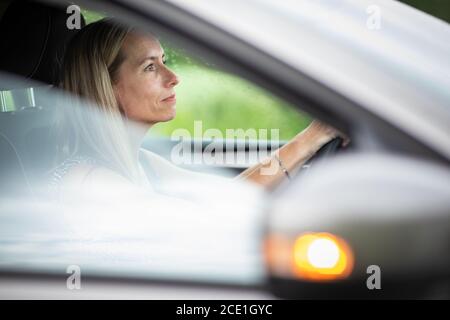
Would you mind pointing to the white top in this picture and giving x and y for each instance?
(157, 175)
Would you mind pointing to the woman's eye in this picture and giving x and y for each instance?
(150, 67)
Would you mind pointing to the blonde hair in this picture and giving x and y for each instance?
(92, 120)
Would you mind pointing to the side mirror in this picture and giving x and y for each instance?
(362, 226)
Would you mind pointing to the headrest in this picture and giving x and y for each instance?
(34, 36)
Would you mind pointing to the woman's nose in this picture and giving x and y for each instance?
(173, 79)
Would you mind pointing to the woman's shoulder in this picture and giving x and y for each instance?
(70, 164)
(159, 166)
(74, 171)
(165, 170)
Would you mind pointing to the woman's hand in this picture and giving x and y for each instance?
(318, 134)
(293, 154)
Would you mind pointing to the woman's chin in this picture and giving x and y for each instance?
(165, 116)
(169, 115)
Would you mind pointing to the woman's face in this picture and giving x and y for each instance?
(144, 87)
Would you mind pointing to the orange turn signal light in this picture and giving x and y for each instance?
(322, 256)
(310, 256)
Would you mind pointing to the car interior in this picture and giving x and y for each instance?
(34, 37)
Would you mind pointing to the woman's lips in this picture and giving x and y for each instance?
(171, 98)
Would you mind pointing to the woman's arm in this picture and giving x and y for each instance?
(272, 171)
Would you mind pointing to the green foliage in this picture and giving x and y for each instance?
(223, 101)
(220, 100)
(91, 16)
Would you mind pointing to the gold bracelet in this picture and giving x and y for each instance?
(283, 168)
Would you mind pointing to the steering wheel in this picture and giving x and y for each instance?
(327, 150)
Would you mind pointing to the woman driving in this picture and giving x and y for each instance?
(122, 73)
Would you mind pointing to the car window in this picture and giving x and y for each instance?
(223, 101)
(7, 101)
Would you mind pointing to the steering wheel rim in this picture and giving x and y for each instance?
(327, 150)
